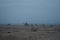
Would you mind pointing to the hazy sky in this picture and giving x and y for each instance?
(32, 11)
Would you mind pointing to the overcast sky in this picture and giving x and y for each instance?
(32, 11)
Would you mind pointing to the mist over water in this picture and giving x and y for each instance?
(31, 11)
